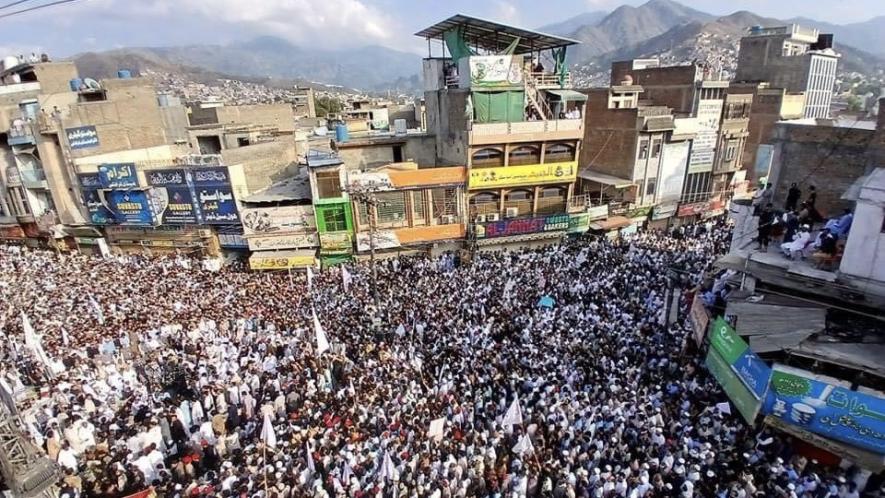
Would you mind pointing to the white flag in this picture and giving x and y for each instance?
(309, 278)
(346, 278)
(267, 433)
(64, 337)
(310, 464)
(513, 415)
(436, 429)
(33, 342)
(508, 287)
(524, 446)
(322, 342)
(99, 314)
(346, 474)
(724, 407)
(401, 330)
(388, 470)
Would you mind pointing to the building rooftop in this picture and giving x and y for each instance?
(493, 36)
(296, 188)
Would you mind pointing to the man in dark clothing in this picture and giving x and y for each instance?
(766, 220)
(791, 223)
(179, 435)
(793, 196)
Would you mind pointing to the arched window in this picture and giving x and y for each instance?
(552, 200)
(488, 157)
(520, 200)
(484, 203)
(525, 154)
(559, 152)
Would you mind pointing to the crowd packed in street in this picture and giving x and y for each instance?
(554, 372)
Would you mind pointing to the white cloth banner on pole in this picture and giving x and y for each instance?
(513, 415)
(322, 342)
(388, 470)
(724, 407)
(99, 314)
(267, 433)
(346, 279)
(33, 342)
(524, 446)
(309, 278)
(310, 464)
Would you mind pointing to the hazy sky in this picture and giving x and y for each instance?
(102, 24)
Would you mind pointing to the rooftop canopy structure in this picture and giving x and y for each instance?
(492, 37)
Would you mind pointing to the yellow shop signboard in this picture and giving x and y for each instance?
(524, 175)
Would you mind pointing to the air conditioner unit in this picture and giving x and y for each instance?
(512, 212)
(480, 218)
(448, 219)
(493, 217)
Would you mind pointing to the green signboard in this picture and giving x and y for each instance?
(579, 223)
(726, 341)
(742, 398)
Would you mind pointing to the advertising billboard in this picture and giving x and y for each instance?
(673, 163)
(743, 399)
(752, 371)
(522, 226)
(174, 197)
(130, 207)
(82, 137)
(119, 175)
(278, 220)
(831, 411)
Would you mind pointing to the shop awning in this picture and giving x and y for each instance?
(612, 223)
(282, 260)
(568, 95)
(595, 176)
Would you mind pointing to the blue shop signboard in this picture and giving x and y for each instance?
(122, 175)
(99, 214)
(174, 197)
(130, 207)
(215, 196)
(82, 137)
(831, 411)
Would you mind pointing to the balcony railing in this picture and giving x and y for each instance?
(545, 206)
(20, 133)
(552, 125)
(550, 80)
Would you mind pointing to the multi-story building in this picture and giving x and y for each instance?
(634, 157)
(731, 141)
(794, 58)
(495, 107)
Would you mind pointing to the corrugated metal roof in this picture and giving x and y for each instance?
(493, 36)
(295, 188)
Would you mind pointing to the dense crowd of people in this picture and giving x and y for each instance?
(552, 372)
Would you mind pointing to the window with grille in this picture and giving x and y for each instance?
(643, 149)
(391, 208)
(335, 219)
(328, 185)
(527, 154)
(488, 157)
(444, 201)
(419, 214)
(555, 153)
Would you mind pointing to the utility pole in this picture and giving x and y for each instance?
(364, 193)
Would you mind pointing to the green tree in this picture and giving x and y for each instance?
(855, 103)
(327, 105)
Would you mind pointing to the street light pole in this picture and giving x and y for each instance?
(364, 192)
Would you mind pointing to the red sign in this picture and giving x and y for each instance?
(523, 226)
(13, 232)
(693, 209)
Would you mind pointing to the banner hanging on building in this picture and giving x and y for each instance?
(275, 220)
(99, 213)
(832, 411)
(494, 70)
(215, 196)
(522, 226)
(174, 197)
(130, 207)
(530, 174)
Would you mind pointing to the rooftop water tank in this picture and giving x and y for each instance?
(400, 127)
(76, 83)
(10, 61)
(341, 134)
(124, 74)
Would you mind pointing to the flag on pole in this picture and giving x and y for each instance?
(346, 279)
(513, 415)
(309, 278)
(401, 330)
(322, 342)
(508, 287)
(524, 446)
(64, 337)
(310, 464)
(437, 428)
(346, 474)
(388, 470)
(724, 407)
(33, 342)
(99, 314)
(267, 433)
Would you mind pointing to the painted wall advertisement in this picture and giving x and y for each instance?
(515, 176)
(579, 223)
(522, 226)
(82, 137)
(494, 70)
(832, 411)
(336, 242)
(121, 175)
(173, 196)
(282, 241)
(215, 197)
(278, 220)
(281, 261)
(383, 239)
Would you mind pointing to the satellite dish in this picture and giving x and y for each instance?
(91, 83)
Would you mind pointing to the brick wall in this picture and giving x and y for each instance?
(609, 137)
